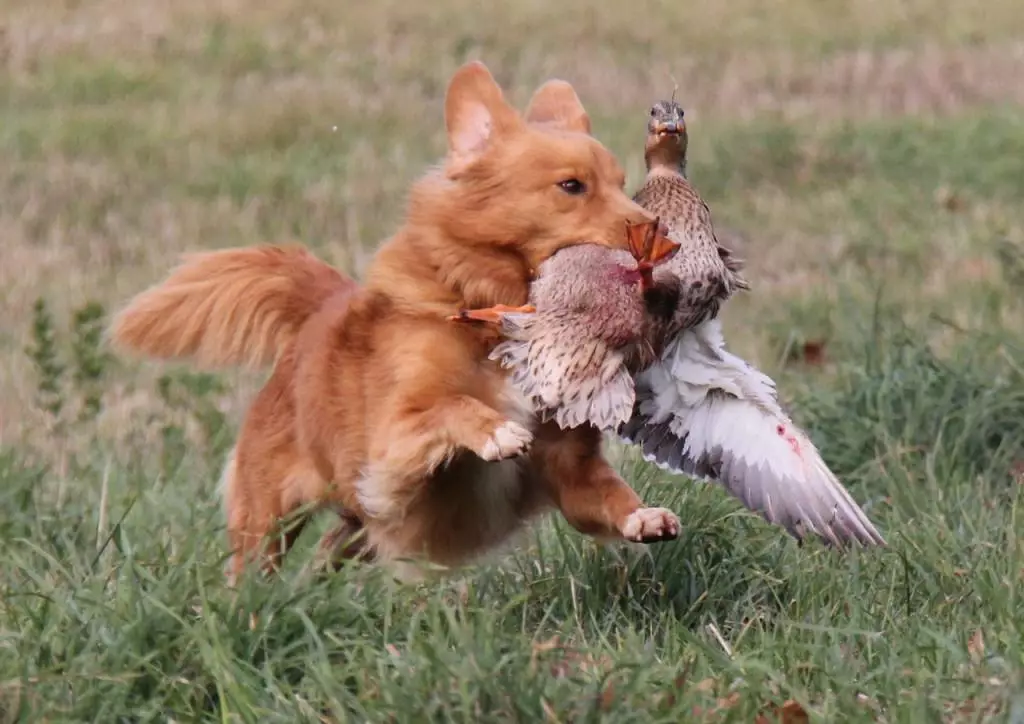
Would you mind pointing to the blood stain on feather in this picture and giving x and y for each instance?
(793, 442)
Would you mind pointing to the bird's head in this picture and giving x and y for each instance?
(666, 137)
(608, 276)
(605, 288)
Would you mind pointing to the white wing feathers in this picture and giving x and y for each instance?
(591, 384)
(705, 412)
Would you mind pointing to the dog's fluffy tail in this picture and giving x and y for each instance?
(237, 306)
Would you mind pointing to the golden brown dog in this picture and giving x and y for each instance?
(378, 407)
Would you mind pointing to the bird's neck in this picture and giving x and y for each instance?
(662, 163)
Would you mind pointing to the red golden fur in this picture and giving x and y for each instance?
(380, 409)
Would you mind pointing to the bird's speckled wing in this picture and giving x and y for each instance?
(704, 273)
(674, 201)
(707, 413)
(569, 379)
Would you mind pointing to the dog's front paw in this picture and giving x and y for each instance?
(509, 440)
(650, 525)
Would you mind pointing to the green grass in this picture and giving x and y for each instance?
(864, 157)
(131, 618)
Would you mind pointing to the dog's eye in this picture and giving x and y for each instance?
(573, 186)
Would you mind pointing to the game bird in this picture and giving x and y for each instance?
(700, 410)
(573, 349)
(697, 281)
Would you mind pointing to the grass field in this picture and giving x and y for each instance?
(866, 157)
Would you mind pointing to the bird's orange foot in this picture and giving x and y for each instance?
(661, 249)
(648, 245)
(490, 315)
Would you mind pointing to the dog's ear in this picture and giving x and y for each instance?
(475, 111)
(556, 103)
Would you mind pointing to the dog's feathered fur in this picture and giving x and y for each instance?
(232, 307)
(379, 408)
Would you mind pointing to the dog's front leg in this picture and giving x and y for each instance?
(436, 407)
(591, 496)
(413, 444)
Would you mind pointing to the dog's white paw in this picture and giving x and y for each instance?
(649, 525)
(509, 440)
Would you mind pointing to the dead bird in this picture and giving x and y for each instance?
(573, 350)
(704, 412)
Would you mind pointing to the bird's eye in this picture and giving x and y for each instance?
(654, 112)
(572, 186)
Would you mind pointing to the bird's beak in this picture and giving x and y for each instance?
(672, 128)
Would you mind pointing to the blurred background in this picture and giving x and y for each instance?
(862, 151)
(865, 156)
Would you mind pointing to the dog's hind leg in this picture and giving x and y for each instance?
(344, 541)
(258, 530)
(230, 504)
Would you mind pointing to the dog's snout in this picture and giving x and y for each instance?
(641, 216)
